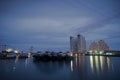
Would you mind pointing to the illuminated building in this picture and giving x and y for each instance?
(77, 44)
(99, 46)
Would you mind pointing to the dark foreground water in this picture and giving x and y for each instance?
(82, 68)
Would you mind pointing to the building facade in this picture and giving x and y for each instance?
(78, 44)
(99, 46)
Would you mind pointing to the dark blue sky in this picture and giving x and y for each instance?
(47, 24)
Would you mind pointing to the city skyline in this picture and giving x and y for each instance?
(47, 24)
(77, 44)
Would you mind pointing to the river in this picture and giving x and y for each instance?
(81, 68)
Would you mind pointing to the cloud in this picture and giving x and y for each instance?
(45, 31)
(107, 31)
(50, 23)
(47, 25)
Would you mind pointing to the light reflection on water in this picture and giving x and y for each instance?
(99, 64)
(81, 68)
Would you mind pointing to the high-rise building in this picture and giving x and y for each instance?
(99, 46)
(78, 44)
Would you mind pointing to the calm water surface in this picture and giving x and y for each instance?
(81, 68)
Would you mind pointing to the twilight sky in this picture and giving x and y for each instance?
(47, 24)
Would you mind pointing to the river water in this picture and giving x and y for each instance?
(81, 68)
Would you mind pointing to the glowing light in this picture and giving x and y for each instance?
(9, 50)
(97, 63)
(91, 62)
(90, 51)
(108, 53)
(16, 51)
(101, 62)
(71, 54)
(29, 54)
(71, 65)
(76, 55)
(76, 60)
(101, 52)
(108, 62)
(16, 59)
